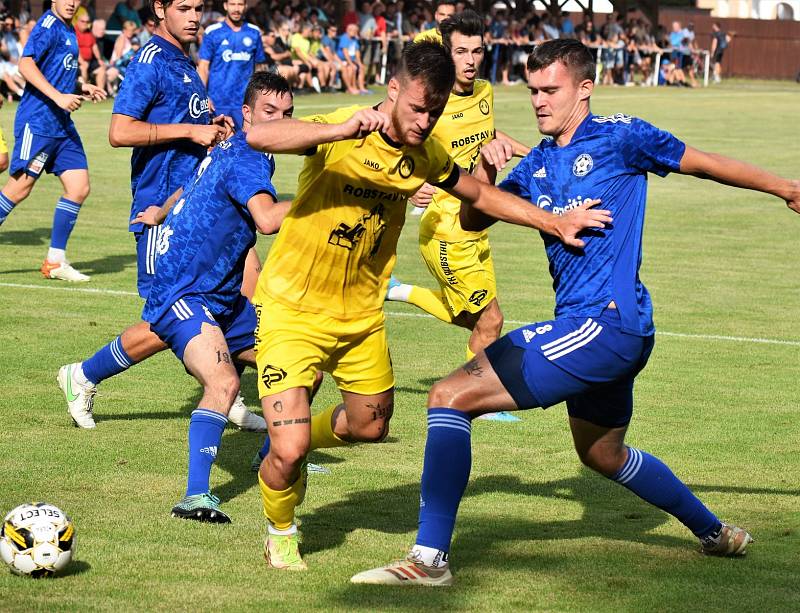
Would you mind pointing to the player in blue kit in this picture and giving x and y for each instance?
(195, 305)
(230, 53)
(602, 334)
(45, 138)
(162, 111)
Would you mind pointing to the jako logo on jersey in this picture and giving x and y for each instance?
(70, 63)
(582, 165)
(373, 165)
(197, 105)
(235, 56)
(457, 116)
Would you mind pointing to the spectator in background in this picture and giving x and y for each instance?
(350, 15)
(349, 50)
(280, 57)
(210, 14)
(148, 30)
(25, 32)
(567, 27)
(326, 69)
(11, 51)
(90, 62)
(307, 63)
(124, 11)
(719, 42)
(548, 27)
(123, 45)
(443, 10)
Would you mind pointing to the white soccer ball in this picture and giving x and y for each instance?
(37, 539)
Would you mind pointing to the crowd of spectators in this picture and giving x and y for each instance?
(346, 45)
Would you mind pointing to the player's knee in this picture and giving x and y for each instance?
(604, 460)
(447, 394)
(286, 459)
(78, 193)
(224, 387)
(373, 432)
(491, 322)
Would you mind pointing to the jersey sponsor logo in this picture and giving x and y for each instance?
(616, 118)
(483, 106)
(271, 375)
(544, 201)
(366, 192)
(70, 62)
(197, 105)
(471, 139)
(478, 296)
(348, 236)
(572, 203)
(226, 144)
(582, 165)
(236, 56)
(457, 116)
(406, 166)
(540, 174)
(373, 165)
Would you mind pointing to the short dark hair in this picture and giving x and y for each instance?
(466, 23)
(572, 53)
(431, 62)
(264, 82)
(446, 3)
(164, 4)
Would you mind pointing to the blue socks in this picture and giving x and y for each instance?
(205, 435)
(109, 361)
(6, 206)
(448, 459)
(651, 480)
(63, 221)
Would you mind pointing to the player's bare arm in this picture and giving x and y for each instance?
(490, 201)
(296, 136)
(155, 215)
(92, 92)
(424, 195)
(267, 213)
(518, 148)
(31, 73)
(125, 131)
(729, 171)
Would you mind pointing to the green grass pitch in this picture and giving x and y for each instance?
(718, 402)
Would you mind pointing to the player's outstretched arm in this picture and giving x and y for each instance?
(296, 136)
(125, 131)
(519, 150)
(31, 73)
(729, 171)
(267, 213)
(482, 203)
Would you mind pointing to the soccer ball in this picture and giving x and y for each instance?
(37, 539)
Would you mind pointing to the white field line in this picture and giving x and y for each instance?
(707, 337)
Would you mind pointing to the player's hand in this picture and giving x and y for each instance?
(363, 122)
(569, 225)
(93, 93)
(497, 153)
(793, 197)
(424, 195)
(225, 122)
(151, 216)
(209, 135)
(68, 102)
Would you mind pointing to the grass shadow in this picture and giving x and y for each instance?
(27, 238)
(75, 567)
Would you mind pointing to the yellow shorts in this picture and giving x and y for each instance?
(464, 270)
(291, 346)
(3, 143)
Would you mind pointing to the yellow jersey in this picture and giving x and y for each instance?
(467, 123)
(433, 35)
(337, 245)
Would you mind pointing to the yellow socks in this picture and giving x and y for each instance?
(431, 302)
(279, 506)
(322, 434)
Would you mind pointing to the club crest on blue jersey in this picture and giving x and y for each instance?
(583, 165)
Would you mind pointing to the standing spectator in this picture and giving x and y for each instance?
(210, 14)
(90, 62)
(444, 10)
(719, 42)
(350, 15)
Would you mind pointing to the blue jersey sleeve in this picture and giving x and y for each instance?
(38, 43)
(138, 91)
(518, 181)
(646, 148)
(252, 176)
(207, 48)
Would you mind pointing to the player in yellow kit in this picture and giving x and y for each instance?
(319, 300)
(460, 260)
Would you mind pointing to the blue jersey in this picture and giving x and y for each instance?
(162, 86)
(608, 158)
(54, 48)
(233, 57)
(204, 241)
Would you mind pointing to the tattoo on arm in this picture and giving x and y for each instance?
(222, 356)
(291, 422)
(472, 368)
(381, 411)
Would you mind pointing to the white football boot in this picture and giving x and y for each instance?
(62, 270)
(241, 416)
(80, 398)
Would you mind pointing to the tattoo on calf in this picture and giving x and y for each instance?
(277, 406)
(290, 422)
(381, 411)
(472, 368)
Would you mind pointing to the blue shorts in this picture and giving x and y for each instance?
(34, 154)
(183, 321)
(589, 362)
(146, 242)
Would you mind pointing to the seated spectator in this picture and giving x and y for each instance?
(123, 44)
(349, 51)
(326, 66)
(10, 52)
(280, 57)
(124, 11)
(148, 30)
(303, 57)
